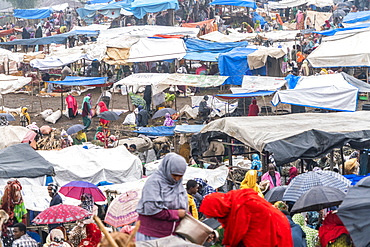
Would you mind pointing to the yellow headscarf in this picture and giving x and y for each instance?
(81, 135)
(250, 182)
(26, 114)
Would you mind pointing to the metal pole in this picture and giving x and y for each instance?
(342, 157)
(61, 96)
(331, 160)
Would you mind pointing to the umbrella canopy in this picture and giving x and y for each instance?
(305, 181)
(355, 214)
(162, 112)
(317, 198)
(109, 115)
(75, 128)
(122, 210)
(276, 194)
(60, 214)
(8, 116)
(75, 189)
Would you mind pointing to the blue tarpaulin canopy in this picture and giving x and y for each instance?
(98, 1)
(56, 39)
(353, 17)
(89, 11)
(235, 65)
(336, 30)
(204, 50)
(81, 81)
(140, 7)
(257, 17)
(156, 131)
(244, 95)
(240, 3)
(32, 13)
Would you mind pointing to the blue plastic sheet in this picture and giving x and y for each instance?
(32, 13)
(89, 11)
(257, 17)
(245, 95)
(241, 3)
(205, 50)
(355, 178)
(56, 39)
(188, 128)
(140, 7)
(292, 80)
(235, 65)
(81, 81)
(156, 131)
(353, 17)
(98, 1)
(336, 30)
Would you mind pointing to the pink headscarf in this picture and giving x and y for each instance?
(168, 121)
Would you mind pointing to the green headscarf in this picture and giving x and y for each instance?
(311, 234)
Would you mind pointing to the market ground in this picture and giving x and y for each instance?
(119, 102)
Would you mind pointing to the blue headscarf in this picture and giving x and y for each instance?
(256, 163)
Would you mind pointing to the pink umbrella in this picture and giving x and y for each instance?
(60, 214)
(76, 189)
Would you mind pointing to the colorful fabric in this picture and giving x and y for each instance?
(168, 121)
(25, 115)
(248, 219)
(250, 182)
(87, 202)
(103, 108)
(161, 191)
(253, 108)
(72, 103)
(192, 208)
(77, 234)
(19, 211)
(332, 227)
(204, 188)
(293, 172)
(12, 196)
(268, 177)
(256, 164)
(93, 236)
(311, 234)
(86, 106)
(81, 136)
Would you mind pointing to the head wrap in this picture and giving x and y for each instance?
(87, 202)
(3, 121)
(103, 106)
(161, 191)
(332, 227)
(24, 112)
(168, 121)
(54, 187)
(250, 182)
(281, 206)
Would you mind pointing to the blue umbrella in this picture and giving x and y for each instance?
(8, 116)
(75, 128)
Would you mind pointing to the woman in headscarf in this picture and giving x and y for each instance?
(248, 219)
(164, 200)
(293, 172)
(38, 32)
(80, 138)
(93, 236)
(72, 106)
(87, 202)
(25, 117)
(253, 108)
(56, 239)
(86, 112)
(12, 202)
(142, 117)
(250, 182)
(25, 35)
(256, 164)
(3, 121)
(333, 233)
(103, 108)
(168, 121)
(311, 234)
(65, 139)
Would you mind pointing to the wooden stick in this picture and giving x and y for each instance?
(105, 232)
(133, 233)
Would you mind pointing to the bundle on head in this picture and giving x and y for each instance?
(120, 238)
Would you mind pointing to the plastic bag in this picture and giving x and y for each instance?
(53, 118)
(130, 119)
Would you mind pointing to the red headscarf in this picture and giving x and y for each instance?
(293, 172)
(93, 238)
(331, 229)
(248, 218)
(253, 108)
(103, 108)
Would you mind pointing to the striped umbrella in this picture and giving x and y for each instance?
(305, 181)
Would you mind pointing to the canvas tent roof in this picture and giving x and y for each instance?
(21, 160)
(115, 165)
(289, 137)
(259, 83)
(350, 51)
(333, 92)
(9, 83)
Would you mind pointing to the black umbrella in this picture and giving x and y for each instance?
(75, 128)
(8, 116)
(162, 112)
(276, 194)
(317, 198)
(109, 115)
(355, 214)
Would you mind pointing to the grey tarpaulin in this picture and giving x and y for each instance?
(21, 160)
(362, 86)
(293, 136)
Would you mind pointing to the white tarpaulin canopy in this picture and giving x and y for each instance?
(259, 83)
(115, 165)
(9, 83)
(286, 4)
(146, 50)
(350, 51)
(10, 135)
(220, 37)
(258, 58)
(330, 92)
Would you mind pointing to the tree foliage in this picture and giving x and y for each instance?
(23, 4)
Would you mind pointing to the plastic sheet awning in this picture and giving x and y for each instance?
(111, 9)
(286, 4)
(188, 129)
(240, 3)
(156, 131)
(81, 81)
(32, 13)
(340, 30)
(353, 17)
(259, 83)
(55, 62)
(244, 95)
(141, 7)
